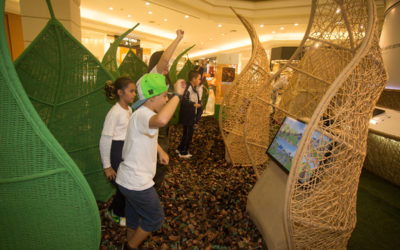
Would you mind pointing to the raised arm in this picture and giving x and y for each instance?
(162, 118)
(162, 65)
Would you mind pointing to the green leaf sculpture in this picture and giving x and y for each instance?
(172, 72)
(46, 203)
(132, 66)
(65, 82)
(110, 57)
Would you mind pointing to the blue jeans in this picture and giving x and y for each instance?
(143, 208)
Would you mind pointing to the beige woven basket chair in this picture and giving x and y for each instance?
(334, 89)
(236, 100)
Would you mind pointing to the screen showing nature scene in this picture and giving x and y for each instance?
(284, 146)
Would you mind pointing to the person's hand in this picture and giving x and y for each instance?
(110, 173)
(163, 157)
(179, 33)
(197, 105)
(180, 86)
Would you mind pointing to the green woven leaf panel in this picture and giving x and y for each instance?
(45, 201)
(172, 72)
(64, 82)
(110, 57)
(132, 66)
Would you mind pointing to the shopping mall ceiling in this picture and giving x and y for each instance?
(210, 24)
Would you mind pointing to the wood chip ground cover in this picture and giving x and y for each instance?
(204, 199)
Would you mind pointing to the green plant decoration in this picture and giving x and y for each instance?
(65, 82)
(46, 203)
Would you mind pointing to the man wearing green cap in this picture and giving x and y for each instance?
(144, 213)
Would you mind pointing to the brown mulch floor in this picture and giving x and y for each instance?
(204, 199)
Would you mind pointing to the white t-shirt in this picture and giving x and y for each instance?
(116, 122)
(138, 169)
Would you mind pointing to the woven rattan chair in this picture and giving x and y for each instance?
(315, 205)
(235, 103)
(65, 83)
(45, 201)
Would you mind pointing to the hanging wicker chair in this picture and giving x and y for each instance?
(236, 101)
(334, 90)
(46, 203)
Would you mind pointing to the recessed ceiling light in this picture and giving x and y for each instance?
(261, 25)
(362, 26)
(186, 16)
(282, 28)
(129, 15)
(150, 12)
(147, 3)
(165, 19)
(296, 24)
(337, 10)
(219, 25)
(111, 8)
(273, 32)
(316, 45)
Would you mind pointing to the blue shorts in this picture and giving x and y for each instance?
(143, 208)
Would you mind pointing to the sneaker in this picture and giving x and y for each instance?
(113, 217)
(186, 156)
(122, 222)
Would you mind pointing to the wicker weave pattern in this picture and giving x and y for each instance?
(46, 202)
(334, 89)
(65, 82)
(236, 101)
(110, 57)
(132, 66)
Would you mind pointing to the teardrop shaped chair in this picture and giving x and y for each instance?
(236, 101)
(110, 57)
(65, 83)
(45, 201)
(333, 89)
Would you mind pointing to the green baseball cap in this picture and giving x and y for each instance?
(148, 86)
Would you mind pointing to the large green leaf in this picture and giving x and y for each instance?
(45, 201)
(172, 72)
(65, 82)
(110, 57)
(132, 66)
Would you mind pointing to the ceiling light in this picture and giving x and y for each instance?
(362, 26)
(316, 45)
(111, 8)
(211, 38)
(261, 25)
(129, 15)
(222, 34)
(219, 25)
(186, 16)
(337, 10)
(282, 28)
(165, 19)
(296, 24)
(147, 3)
(150, 12)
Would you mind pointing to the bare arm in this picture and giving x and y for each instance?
(162, 65)
(162, 118)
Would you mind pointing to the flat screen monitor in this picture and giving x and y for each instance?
(284, 146)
